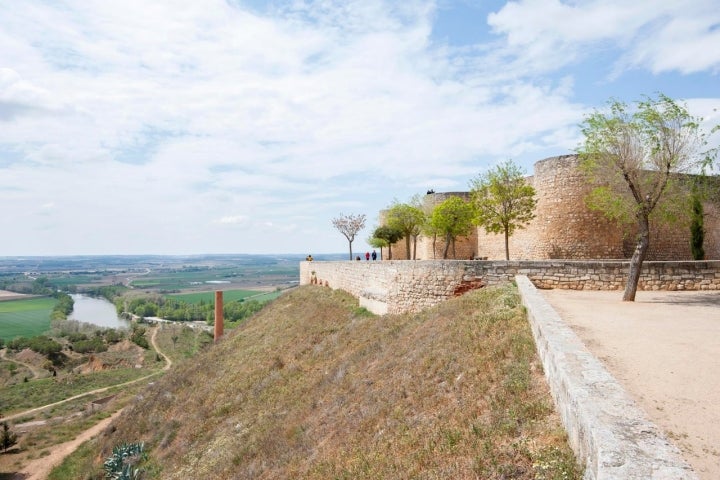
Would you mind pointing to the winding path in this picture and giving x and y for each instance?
(40, 468)
(37, 373)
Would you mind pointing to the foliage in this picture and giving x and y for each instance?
(697, 232)
(40, 344)
(451, 219)
(630, 156)
(349, 226)
(388, 236)
(94, 345)
(63, 307)
(7, 437)
(407, 219)
(503, 200)
(138, 336)
(121, 465)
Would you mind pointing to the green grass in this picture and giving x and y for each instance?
(228, 296)
(24, 396)
(25, 318)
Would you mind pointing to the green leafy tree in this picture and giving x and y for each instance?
(349, 226)
(379, 243)
(7, 437)
(451, 219)
(407, 219)
(389, 235)
(504, 201)
(631, 154)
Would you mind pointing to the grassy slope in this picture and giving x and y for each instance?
(314, 387)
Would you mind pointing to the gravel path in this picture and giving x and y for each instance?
(664, 348)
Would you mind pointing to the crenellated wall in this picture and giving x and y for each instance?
(397, 286)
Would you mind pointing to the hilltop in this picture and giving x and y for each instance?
(315, 387)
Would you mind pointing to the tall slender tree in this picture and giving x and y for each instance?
(504, 201)
(631, 155)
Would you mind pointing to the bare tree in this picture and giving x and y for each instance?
(349, 226)
(631, 156)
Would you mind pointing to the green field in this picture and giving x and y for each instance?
(228, 296)
(25, 318)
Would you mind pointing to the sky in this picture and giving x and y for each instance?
(229, 126)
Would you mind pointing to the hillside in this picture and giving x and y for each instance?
(315, 387)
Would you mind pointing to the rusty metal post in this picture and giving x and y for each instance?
(218, 315)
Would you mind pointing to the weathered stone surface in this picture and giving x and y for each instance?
(605, 427)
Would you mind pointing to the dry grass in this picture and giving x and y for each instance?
(314, 387)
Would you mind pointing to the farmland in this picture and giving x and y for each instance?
(228, 296)
(27, 317)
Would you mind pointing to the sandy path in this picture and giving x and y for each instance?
(40, 468)
(37, 373)
(664, 348)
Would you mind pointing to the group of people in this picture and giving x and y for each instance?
(368, 255)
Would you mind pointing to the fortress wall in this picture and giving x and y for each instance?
(564, 228)
(397, 286)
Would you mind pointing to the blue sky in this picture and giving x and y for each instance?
(180, 127)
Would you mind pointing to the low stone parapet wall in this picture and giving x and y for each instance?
(609, 433)
(396, 286)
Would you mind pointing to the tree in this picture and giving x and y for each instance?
(503, 200)
(452, 218)
(7, 437)
(631, 155)
(407, 219)
(389, 235)
(349, 226)
(380, 243)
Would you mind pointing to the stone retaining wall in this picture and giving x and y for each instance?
(406, 286)
(606, 429)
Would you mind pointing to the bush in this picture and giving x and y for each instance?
(121, 465)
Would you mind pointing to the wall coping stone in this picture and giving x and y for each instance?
(605, 426)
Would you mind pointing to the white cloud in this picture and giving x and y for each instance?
(204, 126)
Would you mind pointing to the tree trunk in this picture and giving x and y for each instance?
(638, 257)
(447, 247)
(389, 251)
(414, 247)
(350, 250)
(507, 248)
(407, 247)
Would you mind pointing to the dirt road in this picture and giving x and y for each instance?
(664, 349)
(40, 468)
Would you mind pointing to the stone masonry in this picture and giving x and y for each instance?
(397, 286)
(565, 228)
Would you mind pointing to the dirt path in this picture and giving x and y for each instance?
(664, 349)
(37, 373)
(168, 364)
(40, 468)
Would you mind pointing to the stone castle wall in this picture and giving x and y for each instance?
(565, 228)
(397, 286)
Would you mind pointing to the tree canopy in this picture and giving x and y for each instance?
(349, 226)
(451, 219)
(503, 199)
(388, 236)
(631, 153)
(407, 219)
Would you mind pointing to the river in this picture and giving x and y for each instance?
(97, 311)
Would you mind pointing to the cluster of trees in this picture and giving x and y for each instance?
(180, 311)
(631, 155)
(500, 200)
(40, 344)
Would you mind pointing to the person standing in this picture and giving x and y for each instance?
(374, 255)
(367, 256)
